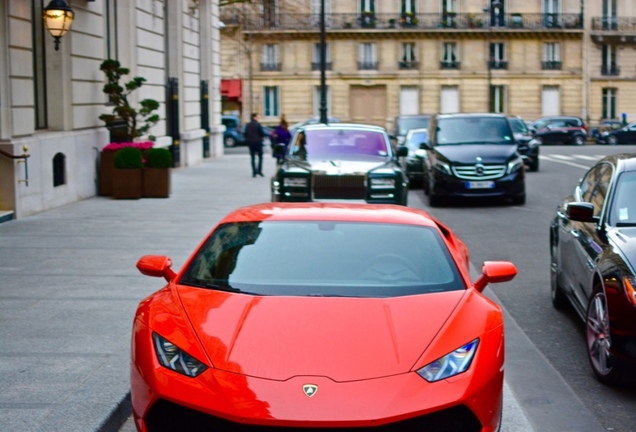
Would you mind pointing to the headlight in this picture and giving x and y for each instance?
(450, 365)
(605, 133)
(173, 357)
(295, 181)
(443, 167)
(630, 288)
(515, 165)
(382, 182)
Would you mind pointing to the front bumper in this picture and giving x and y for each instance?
(511, 185)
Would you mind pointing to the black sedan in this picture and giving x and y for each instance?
(527, 146)
(626, 135)
(414, 164)
(593, 258)
(340, 161)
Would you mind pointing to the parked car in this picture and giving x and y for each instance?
(626, 135)
(605, 126)
(527, 146)
(593, 262)
(404, 123)
(233, 134)
(473, 155)
(560, 130)
(340, 161)
(414, 163)
(304, 316)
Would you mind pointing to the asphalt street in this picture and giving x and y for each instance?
(69, 289)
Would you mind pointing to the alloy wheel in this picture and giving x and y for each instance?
(598, 337)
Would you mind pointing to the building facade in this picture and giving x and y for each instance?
(51, 100)
(389, 57)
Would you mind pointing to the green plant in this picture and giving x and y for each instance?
(137, 121)
(158, 158)
(128, 158)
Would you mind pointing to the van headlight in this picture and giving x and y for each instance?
(515, 165)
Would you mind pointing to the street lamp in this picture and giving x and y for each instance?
(493, 12)
(323, 65)
(58, 18)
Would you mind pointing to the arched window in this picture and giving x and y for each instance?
(59, 170)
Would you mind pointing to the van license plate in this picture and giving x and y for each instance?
(480, 185)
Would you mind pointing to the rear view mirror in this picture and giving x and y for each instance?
(156, 266)
(402, 151)
(581, 212)
(495, 272)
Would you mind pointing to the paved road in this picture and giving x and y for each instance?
(69, 289)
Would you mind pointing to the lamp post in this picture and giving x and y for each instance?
(58, 18)
(492, 9)
(323, 65)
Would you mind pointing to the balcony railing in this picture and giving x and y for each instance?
(551, 65)
(316, 66)
(449, 64)
(624, 24)
(611, 70)
(271, 67)
(498, 64)
(398, 22)
(408, 65)
(365, 65)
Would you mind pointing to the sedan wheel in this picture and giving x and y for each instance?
(229, 141)
(612, 140)
(559, 300)
(599, 340)
(579, 140)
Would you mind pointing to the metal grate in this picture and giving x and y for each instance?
(339, 187)
(479, 172)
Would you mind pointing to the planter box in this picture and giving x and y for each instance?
(127, 183)
(106, 170)
(156, 182)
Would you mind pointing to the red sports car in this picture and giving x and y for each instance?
(323, 317)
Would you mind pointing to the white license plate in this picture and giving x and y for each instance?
(480, 185)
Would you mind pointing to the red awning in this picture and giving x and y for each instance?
(231, 88)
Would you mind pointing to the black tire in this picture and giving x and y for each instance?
(578, 140)
(612, 140)
(229, 141)
(599, 341)
(434, 200)
(559, 299)
(519, 200)
(534, 166)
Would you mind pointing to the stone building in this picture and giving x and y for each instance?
(389, 57)
(51, 100)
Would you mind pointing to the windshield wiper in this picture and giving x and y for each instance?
(626, 224)
(210, 285)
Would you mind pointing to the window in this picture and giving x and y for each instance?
(449, 6)
(498, 98)
(270, 13)
(270, 58)
(609, 15)
(407, 59)
(315, 12)
(407, 7)
(449, 13)
(551, 10)
(368, 56)
(449, 56)
(270, 101)
(609, 103)
(609, 66)
(367, 13)
(498, 56)
(315, 64)
(317, 100)
(552, 56)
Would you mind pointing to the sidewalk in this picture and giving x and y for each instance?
(69, 289)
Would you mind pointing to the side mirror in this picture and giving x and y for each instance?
(495, 272)
(426, 146)
(581, 212)
(156, 266)
(402, 151)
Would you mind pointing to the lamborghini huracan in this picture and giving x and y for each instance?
(320, 316)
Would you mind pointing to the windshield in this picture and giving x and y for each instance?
(416, 139)
(518, 126)
(406, 124)
(322, 144)
(316, 258)
(473, 130)
(623, 211)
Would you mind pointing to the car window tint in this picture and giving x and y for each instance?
(416, 139)
(624, 204)
(406, 124)
(600, 190)
(340, 143)
(316, 258)
(475, 130)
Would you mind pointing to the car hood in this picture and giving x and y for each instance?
(624, 238)
(343, 166)
(469, 153)
(345, 339)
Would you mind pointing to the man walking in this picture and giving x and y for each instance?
(254, 135)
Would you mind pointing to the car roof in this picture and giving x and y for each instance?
(413, 116)
(335, 212)
(417, 130)
(354, 126)
(622, 161)
(449, 115)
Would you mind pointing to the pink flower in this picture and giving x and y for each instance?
(141, 145)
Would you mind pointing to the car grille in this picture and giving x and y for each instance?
(339, 187)
(479, 172)
(166, 416)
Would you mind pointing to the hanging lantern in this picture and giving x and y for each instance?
(58, 17)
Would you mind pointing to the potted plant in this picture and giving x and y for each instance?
(106, 163)
(156, 173)
(126, 123)
(391, 22)
(408, 19)
(127, 178)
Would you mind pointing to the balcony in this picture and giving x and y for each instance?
(610, 70)
(405, 22)
(551, 65)
(271, 67)
(366, 65)
(498, 64)
(315, 66)
(409, 65)
(614, 30)
(449, 65)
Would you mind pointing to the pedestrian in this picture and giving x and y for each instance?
(254, 135)
(281, 134)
